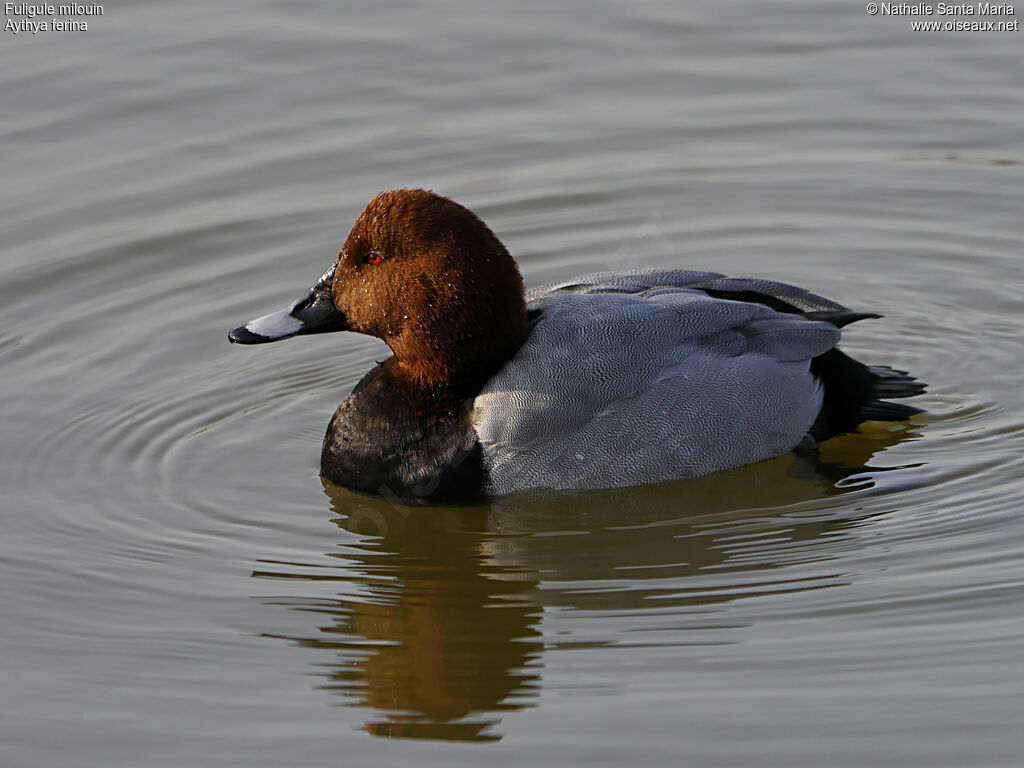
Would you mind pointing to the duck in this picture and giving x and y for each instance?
(612, 379)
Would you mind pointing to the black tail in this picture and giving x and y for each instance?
(888, 383)
(855, 393)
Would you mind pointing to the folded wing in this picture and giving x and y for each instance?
(639, 377)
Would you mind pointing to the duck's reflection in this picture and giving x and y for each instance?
(438, 641)
(439, 630)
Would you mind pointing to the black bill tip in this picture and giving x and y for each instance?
(242, 335)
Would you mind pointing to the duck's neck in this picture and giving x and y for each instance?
(448, 371)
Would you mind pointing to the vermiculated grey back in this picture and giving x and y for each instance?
(642, 377)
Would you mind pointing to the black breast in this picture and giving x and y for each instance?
(380, 443)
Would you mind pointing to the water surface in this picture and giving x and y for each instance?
(179, 587)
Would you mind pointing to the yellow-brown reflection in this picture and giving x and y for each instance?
(457, 642)
(445, 635)
(443, 640)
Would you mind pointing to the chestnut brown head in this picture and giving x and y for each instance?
(428, 277)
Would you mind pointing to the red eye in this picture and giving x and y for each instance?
(374, 258)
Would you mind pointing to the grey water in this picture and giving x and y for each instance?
(179, 587)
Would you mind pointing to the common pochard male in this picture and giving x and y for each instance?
(607, 380)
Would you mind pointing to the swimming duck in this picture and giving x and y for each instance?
(606, 380)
